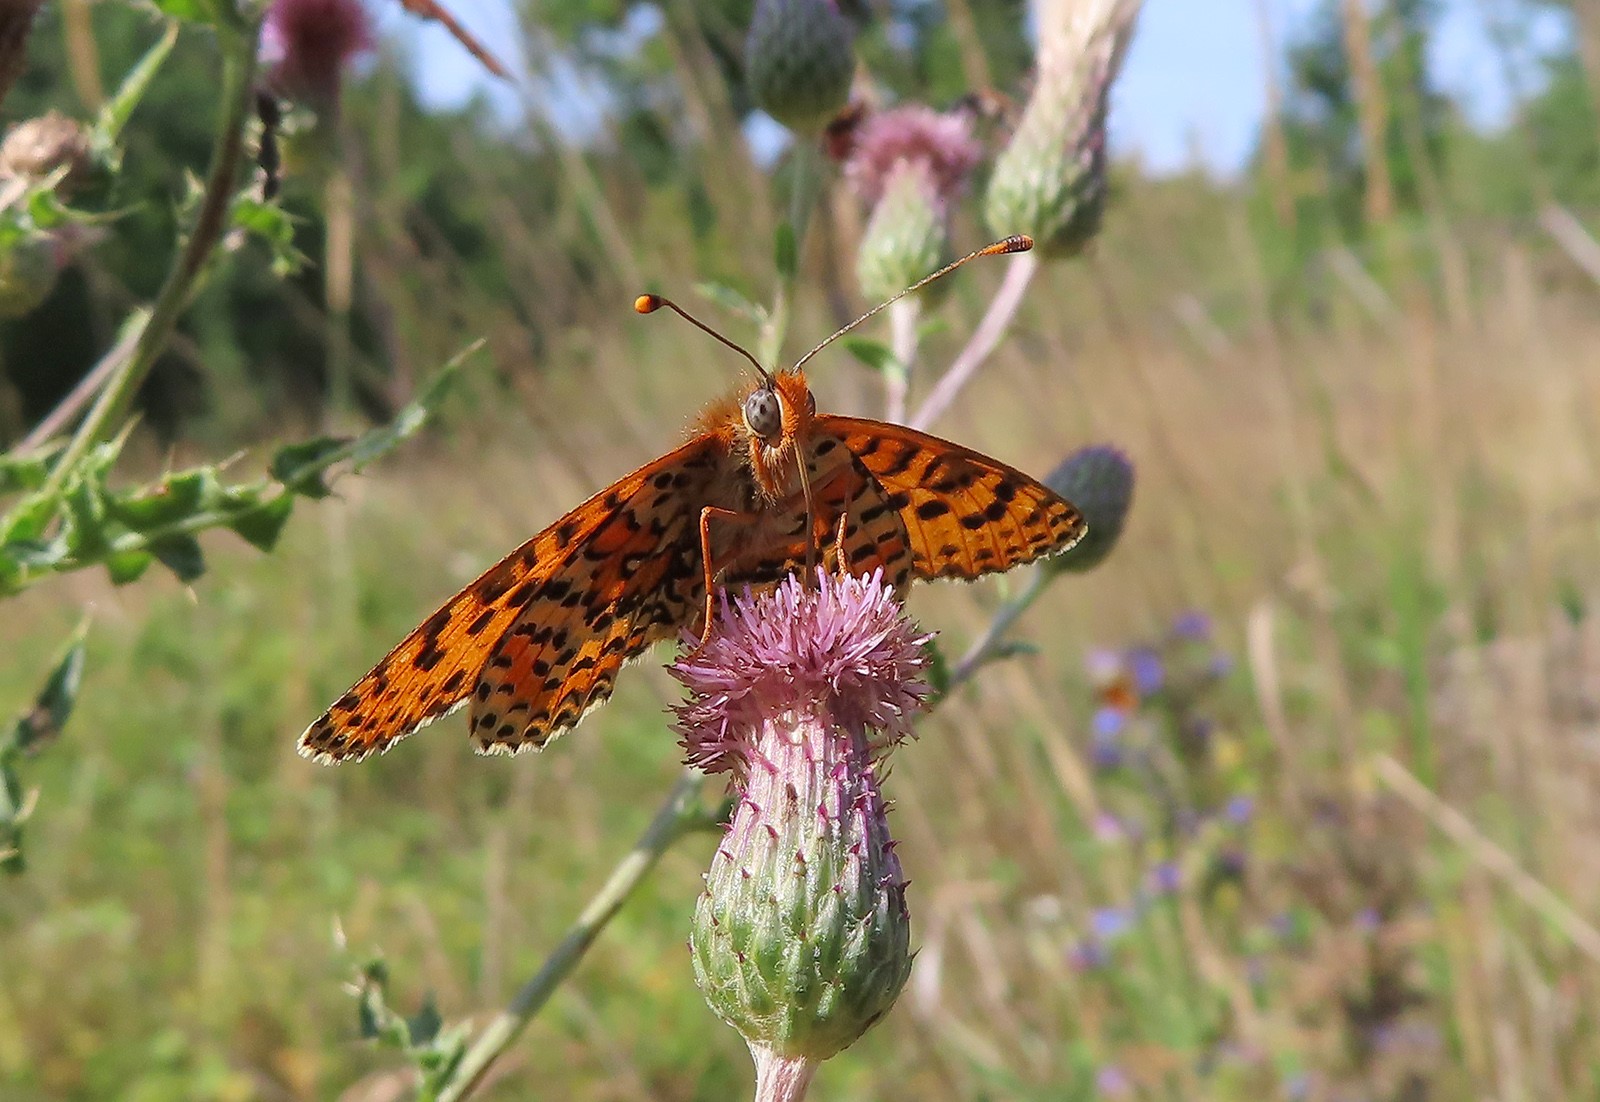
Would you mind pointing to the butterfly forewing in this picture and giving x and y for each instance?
(550, 580)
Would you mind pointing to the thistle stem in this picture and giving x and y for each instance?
(239, 49)
(781, 1078)
(903, 318)
(984, 338)
(988, 647)
(680, 814)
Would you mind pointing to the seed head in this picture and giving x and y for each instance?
(307, 44)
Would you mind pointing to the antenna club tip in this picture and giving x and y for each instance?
(1016, 243)
(648, 304)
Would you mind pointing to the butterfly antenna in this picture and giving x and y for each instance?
(1019, 243)
(649, 304)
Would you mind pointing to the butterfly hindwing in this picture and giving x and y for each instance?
(438, 666)
(633, 583)
(963, 514)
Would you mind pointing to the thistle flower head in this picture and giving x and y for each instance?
(801, 940)
(842, 652)
(938, 146)
(306, 45)
(800, 61)
(910, 164)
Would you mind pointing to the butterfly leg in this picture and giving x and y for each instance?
(840, 560)
(706, 516)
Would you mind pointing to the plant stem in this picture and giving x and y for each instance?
(987, 647)
(984, 338)
(903, 318)
(680, 814)
(239, 45)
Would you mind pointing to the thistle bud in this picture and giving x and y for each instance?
(1099, 481)
(910, 165)
(800, 61)
(801, 940)
(1050, 182)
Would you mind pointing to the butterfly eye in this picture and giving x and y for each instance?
(763, 413)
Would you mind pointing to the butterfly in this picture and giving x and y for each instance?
(763, 482)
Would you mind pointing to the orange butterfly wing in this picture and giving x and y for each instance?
(635, 582)
(914, 506)
(599, 571)
(960, 513)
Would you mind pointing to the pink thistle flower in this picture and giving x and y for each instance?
(307, 44)
(938, 147)
(801, 939)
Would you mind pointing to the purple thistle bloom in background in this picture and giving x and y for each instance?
(1112, 1082)
(937, 147)
(910, 165)
(307, 44)
(1240, 809)
(1108, 828)
(801, 940)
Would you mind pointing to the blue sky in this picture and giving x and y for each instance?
(1194, 79)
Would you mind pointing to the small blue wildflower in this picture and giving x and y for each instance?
(1110, 923)
(1220, 666)
(1368, 920)
(1240, 809)
(1088, 955)
(1108, 828)
(1166, 878)
(1193, 625)
(1108, 722)
(1112, 1082)
(1106, 753)
(1148, 674)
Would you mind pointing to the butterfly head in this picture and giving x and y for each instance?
(773, 415)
